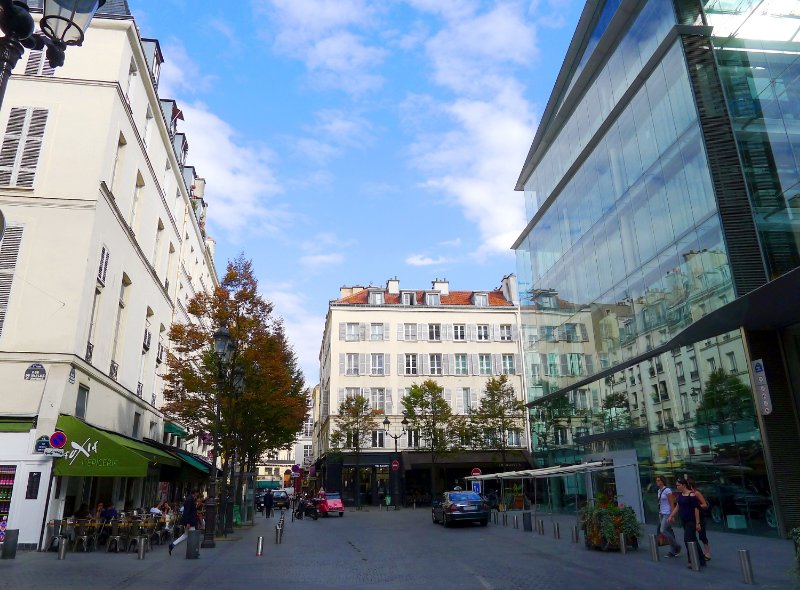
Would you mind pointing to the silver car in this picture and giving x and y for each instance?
(457, 505)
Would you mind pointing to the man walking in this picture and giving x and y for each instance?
(268, 504)
(665, 505)
(189, 518)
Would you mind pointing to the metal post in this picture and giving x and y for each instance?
(556, 531)
(141, 548)
(575, 535)
(623, 545)
(62, 548)
(414, 506)
(260, 547)
(277, 534)
(654, 554)
(516, 522)
(694, 556)
(747, 568)
(540, 526)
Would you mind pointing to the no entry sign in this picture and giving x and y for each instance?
(476, 471)
(395, 465)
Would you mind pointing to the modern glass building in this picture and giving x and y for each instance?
(658, 272)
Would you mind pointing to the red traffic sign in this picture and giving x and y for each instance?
(476, 471)
(395, 465)
(58, 440)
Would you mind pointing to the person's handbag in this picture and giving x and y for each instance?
(662, 540)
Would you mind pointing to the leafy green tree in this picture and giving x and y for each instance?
(354, 425)
(725, 399)
(499, 414)
(615, 406)
(428, 412)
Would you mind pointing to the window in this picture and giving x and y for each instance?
(82, 402)
(513, 438)
(436, 364)
(352, 331)
(466, 396)
(376, 298)
(505, 332)
(377, 439)
(459, 332)
(431, 299)
(352, 391)
(19, 155)
(378, 399)
(485, 364)
(508, 364)
(38, 64)
(408, 299)
(409, 331)
(712, 364)
(306, 451)
(412, 439)
(352, 364)
(137, 424)
(308, 427)
(376, 332)
(411, 364)
(481, 300)
(461, 364)
(732, 362)
(483, 332)
(435, 332)
(376, 364)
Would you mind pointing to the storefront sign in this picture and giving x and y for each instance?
(42, 443)
(36, 372)
(54, 452)
(763, 398)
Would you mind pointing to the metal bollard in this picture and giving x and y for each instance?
(556, 531)
(414, 506)
(540, 526)
(694, 556)
(281, 535)
(62, 548)
(575, 537)
(192, 544)
(505, 519)
(260, 547)
(292, 516)
(141, 548)
(623, 545)
(747, 567)
(277, 534)
(516, 522)
(654, 554)
(527, 522)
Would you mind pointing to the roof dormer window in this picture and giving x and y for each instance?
(408, 298)
(481, 300)
(431, 298)
(376, 298)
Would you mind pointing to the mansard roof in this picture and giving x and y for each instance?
(110, 8)
(465, 298)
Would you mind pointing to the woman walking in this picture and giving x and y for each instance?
(703, 508)
(666, 503)
(688, 508)
(189, 519)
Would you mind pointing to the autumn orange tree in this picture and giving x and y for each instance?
(264, 410)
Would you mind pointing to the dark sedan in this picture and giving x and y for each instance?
(459, 506)
(280, 499)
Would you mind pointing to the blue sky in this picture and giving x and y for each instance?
(345, 142)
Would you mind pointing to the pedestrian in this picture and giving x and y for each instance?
(189, 518)
(666, 504)
(268, 500)
(687, 508)
(702, 535)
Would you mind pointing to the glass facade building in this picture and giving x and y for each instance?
(663, 198)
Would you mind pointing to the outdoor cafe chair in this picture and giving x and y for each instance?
(117, 536)
(83, 535)
(56, 533)
(138, 533)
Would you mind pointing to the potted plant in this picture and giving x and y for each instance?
(603, 522)
(794, 534)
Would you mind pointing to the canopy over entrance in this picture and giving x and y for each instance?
(556, 471)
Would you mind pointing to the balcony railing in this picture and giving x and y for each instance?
(160, 354)
(89, 351)
(148, 338)
(139, 388)
(112, 372)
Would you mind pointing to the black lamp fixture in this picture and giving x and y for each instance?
(223, 345)
(66, 21)
(396, 437)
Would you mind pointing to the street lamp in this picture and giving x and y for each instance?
(237, 382)
(223, 349)
(396, 437)
(63, 23)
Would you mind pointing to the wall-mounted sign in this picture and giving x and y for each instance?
(42, 443)
(763, 398)
(54, 452)
(58, 440)
(35, 372)
(72, 375)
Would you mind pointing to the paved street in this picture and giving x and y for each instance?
(394, 550)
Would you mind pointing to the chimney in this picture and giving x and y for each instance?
(393, 286)
(347, 291)
(199, 187)
(509, 287)
(442, 286)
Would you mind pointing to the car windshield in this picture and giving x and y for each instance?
(333, 496)
(465, 497)
(280, 495)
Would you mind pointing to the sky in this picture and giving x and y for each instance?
(346, 142)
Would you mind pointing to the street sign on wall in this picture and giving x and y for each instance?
(762, 389)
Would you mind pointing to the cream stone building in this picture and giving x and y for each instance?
(379, 341)
(105, 244)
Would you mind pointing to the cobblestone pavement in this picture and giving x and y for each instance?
(403, 549)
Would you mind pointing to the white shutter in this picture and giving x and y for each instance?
(11, 142)
(387, 364)
(362, 364)
(448, 332)
(497, 364)
(517, 364)
(514, 333)
(545, 365)
(446, 364)
(342, 331)
(495, 334)
(459, 401)
(363, 331)
(426, 364)
(38, 64)
(9, 251)
(342, 360)
(389, 404)
(365, 391)
(564, 365)
(386, 329)
(28, 160)
(472, 332)
(448, 397)
(423, 332)
(584, 333)
(401, 332)
(400, 366)
(341, 399)
(103, 268)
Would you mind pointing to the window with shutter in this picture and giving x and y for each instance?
(9, 251)
(22, 144)
(38, 64)
(102, 270)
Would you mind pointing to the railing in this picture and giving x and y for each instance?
(694, 375)
(112, 372)
(89, 351)
(160, 354)
(148, 338)
(139, 388)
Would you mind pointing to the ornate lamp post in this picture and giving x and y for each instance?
(63, 23)
(396, 437)
(223, 349)
(237, 378)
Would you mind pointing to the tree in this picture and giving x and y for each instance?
(428, 412)
(615, 406)
(354, 426)
(725, 399)
(266, 409)
(499, 414)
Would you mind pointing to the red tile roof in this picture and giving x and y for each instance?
(496, 298)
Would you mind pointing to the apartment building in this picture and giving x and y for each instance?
(105, 244)
(378, 342)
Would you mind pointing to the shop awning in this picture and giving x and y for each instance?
(15, 425)
(172, 428)
(92, 452)
(556, 471)
(268, 485)
(193, 461)
(154, 454)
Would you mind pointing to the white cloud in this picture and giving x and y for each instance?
(318, 260)
(332, 131)
(451, 243)
(420, 260)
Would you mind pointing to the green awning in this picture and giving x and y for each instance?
(153, 454)
(11, 425)
(194, 462)
(263, 485)
(172, 428)
(94, 453)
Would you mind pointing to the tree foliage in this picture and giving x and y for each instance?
(499, 413)
(725, 399)
(354, 425)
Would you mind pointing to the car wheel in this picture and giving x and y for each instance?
(716, 514)
(341, 514)
(769, 516)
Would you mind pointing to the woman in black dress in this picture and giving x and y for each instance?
(688, 509)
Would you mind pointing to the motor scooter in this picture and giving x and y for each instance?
(306, 508)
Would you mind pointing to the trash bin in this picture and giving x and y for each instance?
(193, 544)
(10, 544)
(527, 522)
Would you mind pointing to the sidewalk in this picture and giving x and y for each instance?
(772, 559)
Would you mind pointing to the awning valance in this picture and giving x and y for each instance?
(264, 485)
(556, 471)
(153, 454)
(172, 428)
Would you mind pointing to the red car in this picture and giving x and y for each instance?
(331, 502)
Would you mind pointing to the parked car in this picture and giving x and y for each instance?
(458, 506)
(725, 499)
(331, 502)
(280, 499)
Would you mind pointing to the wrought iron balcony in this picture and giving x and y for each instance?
(139, 388)
(112, 372)
(89, 351)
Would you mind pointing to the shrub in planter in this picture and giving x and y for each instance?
(603, 523)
